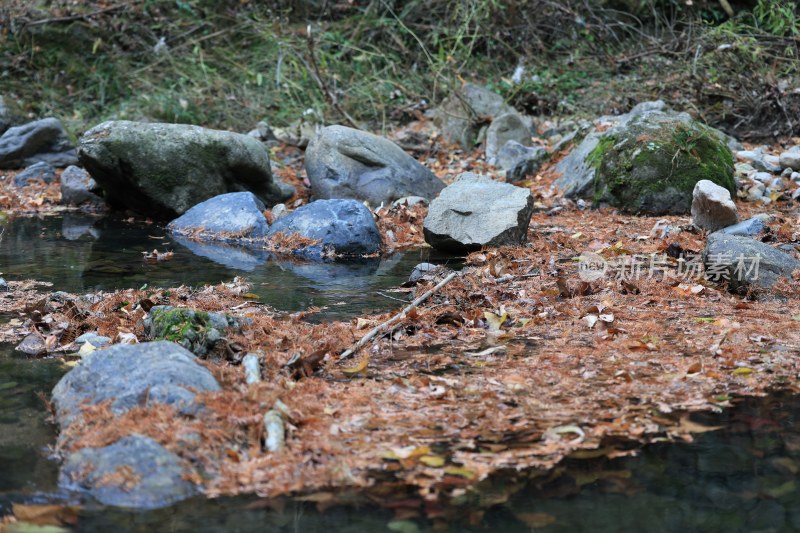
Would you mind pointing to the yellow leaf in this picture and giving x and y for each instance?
(494, 322)
(435, 461)
(360, 367)
(744, 371)
(460, 471)
(250, 296)
(86, 349)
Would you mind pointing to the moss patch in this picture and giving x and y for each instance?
(653, 165)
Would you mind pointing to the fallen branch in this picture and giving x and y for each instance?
(78, 17)
(380, 327)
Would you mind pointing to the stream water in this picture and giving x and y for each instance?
(742, 477)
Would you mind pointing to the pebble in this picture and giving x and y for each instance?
(252, 368)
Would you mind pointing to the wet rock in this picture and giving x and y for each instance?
(342, 227)
(420, 271)
(505, 128)
(78, 187)
(155, 477)
(41, 140)
(165, 169)
(747, 228)
(347, 163)
(712, 206)
(37, 171)
(520, 161)
(648, 162)
(743, 261)
(230, 217)
(32, 345)
(197, 331)
(127, 374)
(461, 115)
(475, 211)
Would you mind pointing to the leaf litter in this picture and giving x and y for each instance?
(505, 371)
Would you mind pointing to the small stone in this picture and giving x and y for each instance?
(274, 440)
(520, 161)
(37, 171)
(410, 201)
(776, 184)
(763, 177)
(795, 176)
(252, 368)
(279, 211)
(98, 341)
(712, 206)
(77, 187)
(760, 160)
(32, 345)
(747, 228)
(506, 127)
(420, 271)
(790, 158)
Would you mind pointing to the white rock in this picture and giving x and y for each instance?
(790, 158)
(712, 206)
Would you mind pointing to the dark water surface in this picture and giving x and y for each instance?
(741, 478)
(79, 253)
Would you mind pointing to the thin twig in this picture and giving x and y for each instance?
(321, 81)
(380, 327)
(77, 17)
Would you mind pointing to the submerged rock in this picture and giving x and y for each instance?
(228, 217)
(132, 375)
(342, 227)
(712, 206)
(231, 256)
(154, 476)
(37, 171)
(743, 261)
(461, 115)
(42, 140)
(648, 162)
(475, 211)
(165, 169)
(347, 163)
(78, 187)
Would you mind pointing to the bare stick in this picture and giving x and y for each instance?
(78, 17)
(380, 327)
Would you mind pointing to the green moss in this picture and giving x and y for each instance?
(178, 324)
(654, 166)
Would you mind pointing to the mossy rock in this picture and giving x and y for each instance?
(652, 165)
(196, 331)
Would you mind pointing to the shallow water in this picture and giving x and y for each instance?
(740, 478)
(80, 253)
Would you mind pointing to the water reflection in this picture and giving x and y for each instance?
(81, 253)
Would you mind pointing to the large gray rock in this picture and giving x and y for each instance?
(342, 227)
(154, 477)
(78, 187)
(165, 169)
(132, 375)
(41, 140)
(648, 161)
(230, 217)
(462, 114)
(40, 171)
(347, 163)
(743, 261)
(506, 127)
(475, 211)
(712, 206)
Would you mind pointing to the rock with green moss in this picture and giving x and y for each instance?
(197, 331)
(649, 162)
(164, 169)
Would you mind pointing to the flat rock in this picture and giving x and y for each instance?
(343, 162)
(342, 227)
(40, 171)
(165, 169)
(41, 140)
(78, 187)
(460, 116)
(506, 127)
(744, 261)
(129, 375)
(790, 158)
(475, 211)
(230, 217)
(712, 206)
(155, 477)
